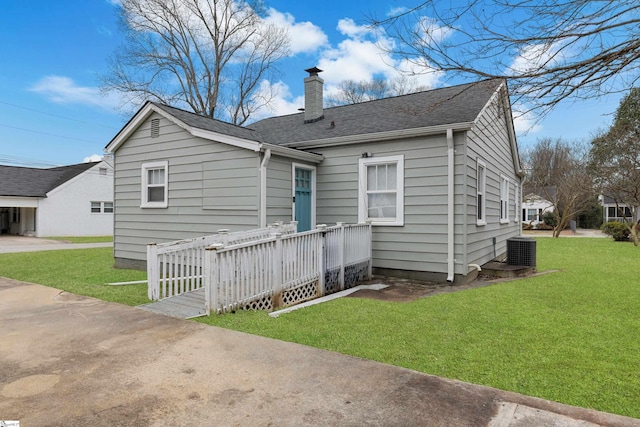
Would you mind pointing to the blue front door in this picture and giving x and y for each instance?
(302, 199)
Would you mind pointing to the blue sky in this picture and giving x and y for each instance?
(53, 52)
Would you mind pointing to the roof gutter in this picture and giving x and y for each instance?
(379, 136)
(293, 153)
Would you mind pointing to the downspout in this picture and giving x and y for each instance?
(450, 207)
(263, 187)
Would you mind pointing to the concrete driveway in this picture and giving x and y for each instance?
(67, 360)
(10, 244)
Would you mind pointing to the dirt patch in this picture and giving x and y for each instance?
(400, 290)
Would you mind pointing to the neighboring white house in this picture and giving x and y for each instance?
(613, 211)
(533, 208)
(75, 200)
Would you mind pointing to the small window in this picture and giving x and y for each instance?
(481, 178)
(101, 207)
(504, 199)
(103, 171)
(155, 128)
(381, 183)
(154, 185)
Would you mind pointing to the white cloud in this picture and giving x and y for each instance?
(359, 56)
(524, 121)
(282, 102)
(305, 37)
(63, 90)
(349, 28)
(535, 56)
(429, 31)
(92, 158)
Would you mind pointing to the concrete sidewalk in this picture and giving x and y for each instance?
(10, 244)
(76, 361)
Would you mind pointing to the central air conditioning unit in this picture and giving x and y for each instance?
(521, 251)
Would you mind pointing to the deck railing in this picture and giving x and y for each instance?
(177, 267)
(285, 270)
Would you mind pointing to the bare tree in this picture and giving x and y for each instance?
(615, 160)
(557, 171)
(206, 55)
(549, 50)
(353, 92)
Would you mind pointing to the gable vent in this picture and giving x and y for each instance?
(155, 128)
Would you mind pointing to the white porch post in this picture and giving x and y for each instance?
(341, 254)
(211, 273)
(370, 247)
(153, 274)
(277, 268)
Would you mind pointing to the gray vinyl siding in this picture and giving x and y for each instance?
(421, 244)
(279, 191)
(489, 141)
(201, 199)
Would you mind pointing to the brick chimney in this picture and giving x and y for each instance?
(313, 111)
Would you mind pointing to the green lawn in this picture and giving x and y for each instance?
(80, 271)
(571, 336)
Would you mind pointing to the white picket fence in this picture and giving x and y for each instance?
(177, 267)
(284, 270)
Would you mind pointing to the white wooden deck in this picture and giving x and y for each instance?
(185, 306)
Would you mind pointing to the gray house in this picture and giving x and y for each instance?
(436, 172)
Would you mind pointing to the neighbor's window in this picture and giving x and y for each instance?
(101, 207)
(533, 215)
(619, 212)
(504, 199)
(381, 188)
(481, 178)
(154, 185)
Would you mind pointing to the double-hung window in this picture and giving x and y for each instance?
(504, 199)
(381, 190)
(154, 185)
(481, 187)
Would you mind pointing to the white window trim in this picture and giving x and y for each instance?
(516, 203)
(504, 199)
(481, 191)
(144, 203)
(362, 189)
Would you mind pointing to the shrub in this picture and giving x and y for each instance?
(549, 219)
(618, 230)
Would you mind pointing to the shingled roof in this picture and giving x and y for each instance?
(453, 105)
(450, 105)
(205, 123)
(19, 181)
